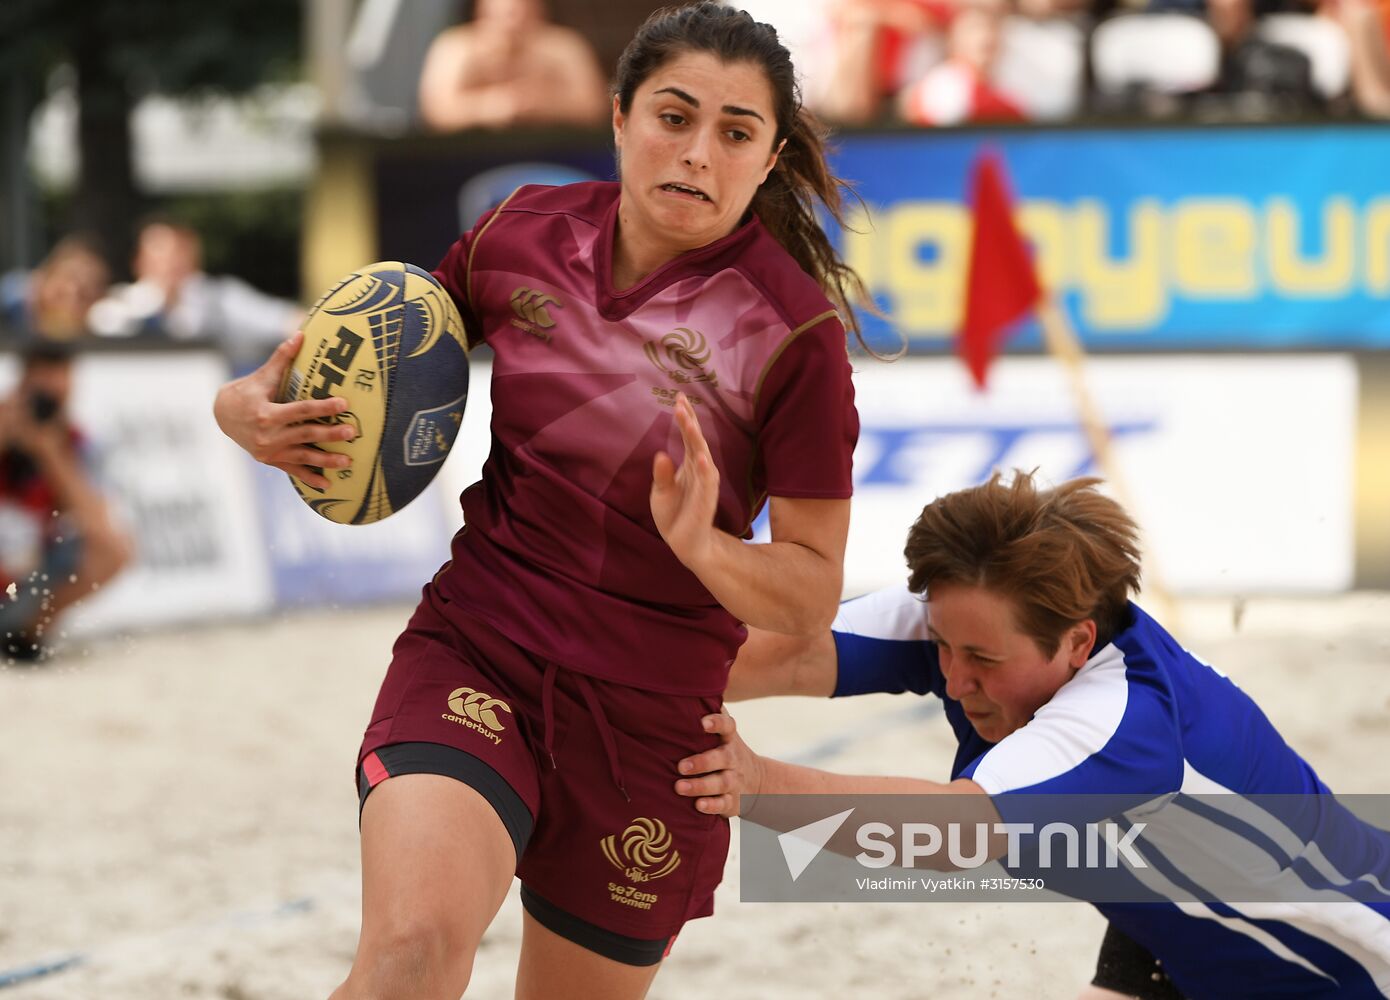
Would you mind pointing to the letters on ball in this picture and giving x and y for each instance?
(389, 340)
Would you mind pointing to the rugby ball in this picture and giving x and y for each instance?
(389, 340)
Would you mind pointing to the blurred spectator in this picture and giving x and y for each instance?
(944, 62)
(173, 297)
(1367, 24)
(1251, 64)
(57, 540)
(1149, 62)
(1220, 58)
(877, 46)
(510, 66)
(52, 301)
(960, 89)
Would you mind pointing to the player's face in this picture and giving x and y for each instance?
(997, 673)
(693, 148)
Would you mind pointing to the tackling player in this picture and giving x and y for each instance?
(1055, 684)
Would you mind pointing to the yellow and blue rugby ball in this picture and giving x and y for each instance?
(390, 341)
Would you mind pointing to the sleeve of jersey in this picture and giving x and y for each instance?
(1101, 739)
(807, 422)
(453, 274)
(881, 646)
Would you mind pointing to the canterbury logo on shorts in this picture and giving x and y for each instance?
(478, 711)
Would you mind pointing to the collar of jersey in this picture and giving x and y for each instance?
(618, 305)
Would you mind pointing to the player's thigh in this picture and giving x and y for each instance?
(553, 966)
(437, 861)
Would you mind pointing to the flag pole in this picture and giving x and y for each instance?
(1064, 345)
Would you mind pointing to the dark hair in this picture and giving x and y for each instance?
(42, 351)
(785, 203)
(1061, 555)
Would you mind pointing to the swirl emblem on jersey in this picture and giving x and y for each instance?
(685, 348)
(643, 851)
(687, 353)
(481, 708)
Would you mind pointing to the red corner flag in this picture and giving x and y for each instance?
(1002, 285)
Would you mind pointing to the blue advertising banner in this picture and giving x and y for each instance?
(1151, 238)
(314, 562)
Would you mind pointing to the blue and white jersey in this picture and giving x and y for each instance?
(1146, 720)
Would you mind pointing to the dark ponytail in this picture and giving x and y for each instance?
(786, 201)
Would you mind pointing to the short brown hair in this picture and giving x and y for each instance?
(1062, 555)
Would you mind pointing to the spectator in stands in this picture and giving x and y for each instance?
(960, 88)
(173, 297)
(58, 542)
(1250, 64)
(1367, 24)
(875, 44)
(1215, 56)
(510, 66)
(52, 301)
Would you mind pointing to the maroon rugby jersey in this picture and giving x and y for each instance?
(559, 551)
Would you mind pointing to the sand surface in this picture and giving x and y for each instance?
(178, 809)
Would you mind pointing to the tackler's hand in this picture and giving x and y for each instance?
(719, 777)
(684, 498)
(282, 435)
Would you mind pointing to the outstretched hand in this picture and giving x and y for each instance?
(720, 776)
(281, 434)
(684, 498)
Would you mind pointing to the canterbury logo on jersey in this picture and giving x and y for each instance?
(532, 316)
(687, 353)
(643, 851)
(478, 711)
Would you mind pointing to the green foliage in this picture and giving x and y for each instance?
(251, 234)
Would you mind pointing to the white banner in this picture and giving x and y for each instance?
(1240, 470)
(175, 483)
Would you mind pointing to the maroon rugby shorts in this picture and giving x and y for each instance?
(581, 772)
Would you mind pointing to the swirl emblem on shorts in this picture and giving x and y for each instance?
(481, 708)
(643, 851)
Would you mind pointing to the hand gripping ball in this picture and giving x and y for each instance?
(390, 341)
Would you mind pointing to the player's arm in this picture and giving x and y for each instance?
(771, 664)
(281, 435)
(790, 585)
(877, 645)
(718, 778)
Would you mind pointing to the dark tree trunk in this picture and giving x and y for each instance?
(18, 203)
(105, 203)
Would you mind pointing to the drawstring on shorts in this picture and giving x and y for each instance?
(605, 730)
